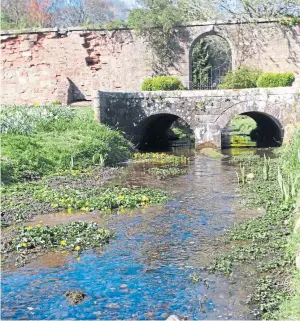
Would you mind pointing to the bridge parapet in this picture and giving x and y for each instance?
(206, 111)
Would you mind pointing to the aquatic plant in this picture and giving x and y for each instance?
(263, 240)
(266, 167)
(75, 236)
(162, 173)
(160, 158)
(103, 199)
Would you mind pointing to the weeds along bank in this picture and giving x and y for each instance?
(37, 141)
(264, 248)
(55, 160)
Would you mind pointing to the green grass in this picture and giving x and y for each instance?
(53, 139)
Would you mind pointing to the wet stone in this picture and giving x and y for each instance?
(75, 297)
(113, 306)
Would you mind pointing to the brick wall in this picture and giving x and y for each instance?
(47, 64)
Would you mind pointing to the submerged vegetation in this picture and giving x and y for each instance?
(264, 242)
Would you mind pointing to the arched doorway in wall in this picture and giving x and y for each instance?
(162, 132)
(210, 60)
(252, 129)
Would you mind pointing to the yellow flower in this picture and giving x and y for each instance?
(36, 104)
(100, 230)
(29, 228)
(145, 199)
(63, 242)
(24, 244)
(69, 210)
(38, 225)
(77, 248)
(78, 259)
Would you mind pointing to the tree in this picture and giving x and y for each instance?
(38, 12)
(242, 9)
(155, 21)
(84, 12)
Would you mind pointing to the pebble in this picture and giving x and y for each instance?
(113, 306)
(123, 286)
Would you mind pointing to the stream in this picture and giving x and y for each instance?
(146, 270)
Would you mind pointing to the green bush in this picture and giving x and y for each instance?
(162, 83)
(53, 140)
(243, 77)
(266, 80)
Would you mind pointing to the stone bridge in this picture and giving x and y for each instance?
(145, 117)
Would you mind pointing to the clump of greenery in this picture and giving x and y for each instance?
(75, 236)
(266, 80)
(160, 158)
(290, 21)
(103, 199)
(37, 141)
(244, 77)
(267, 242)
(162, 83)
(162, 173)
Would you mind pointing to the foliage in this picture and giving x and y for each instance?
(28, 120)
(75, 236)
(268, 294)
(266, 80)
(242, 124)
(64, 13)
(162, 173)
(41, 141)
(211, 59)
(265, 242)
(103, 199)
(290, 21)
(160, 158)
(243, 77)
(155, 22)
(162, 83)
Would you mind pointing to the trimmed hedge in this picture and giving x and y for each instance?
(162, 83)
(266, 80)
(243, 77)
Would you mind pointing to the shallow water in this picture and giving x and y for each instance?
(145, 271)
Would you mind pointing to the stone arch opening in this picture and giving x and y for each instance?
(252, 129)
(210, 59)
(160, 132)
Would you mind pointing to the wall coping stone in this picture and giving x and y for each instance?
(89, 28)
(202, 93)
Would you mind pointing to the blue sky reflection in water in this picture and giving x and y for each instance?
(144, 273)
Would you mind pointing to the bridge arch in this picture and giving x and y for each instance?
(210, 34)
(269, 131)
(153, 132)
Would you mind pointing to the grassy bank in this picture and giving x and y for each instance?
(267, 243)
(38, 141)
(54, 159)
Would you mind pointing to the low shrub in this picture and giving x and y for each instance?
(243, 77)
(162, 83)
(266, 80)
